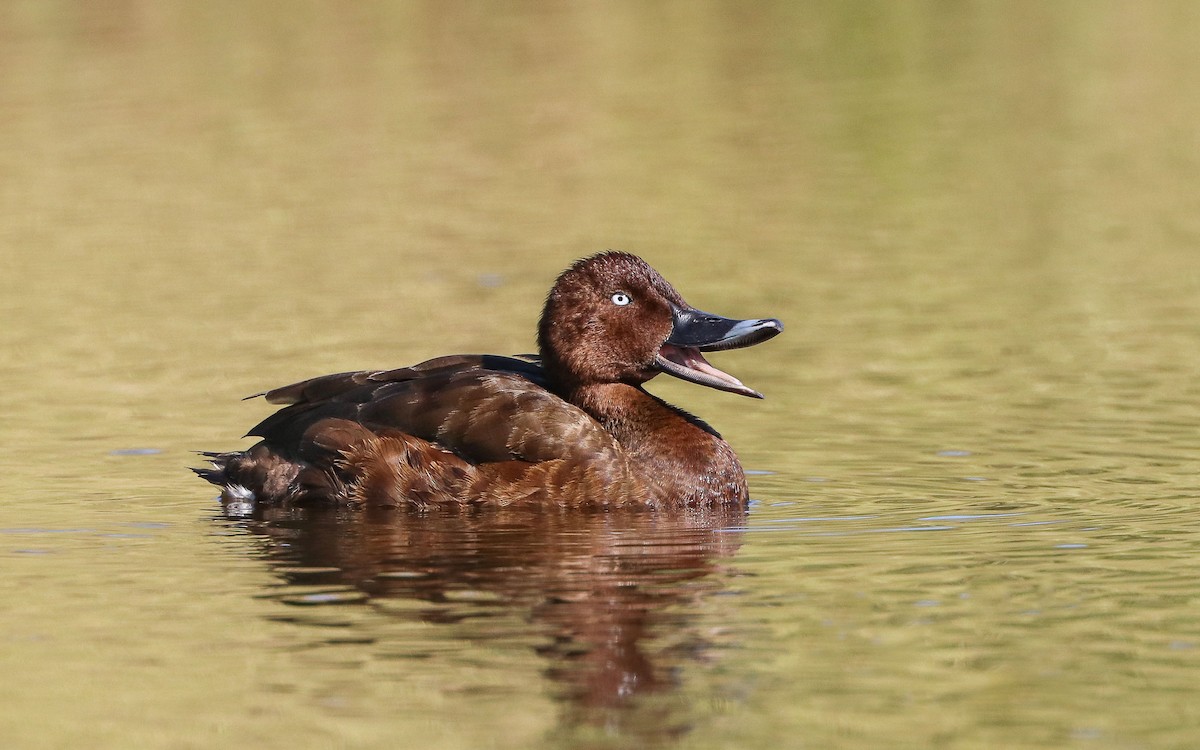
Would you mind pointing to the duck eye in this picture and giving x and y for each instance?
(621, 298)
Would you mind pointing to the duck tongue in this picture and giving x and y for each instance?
(688, 363)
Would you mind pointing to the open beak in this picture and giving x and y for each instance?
(695, 332)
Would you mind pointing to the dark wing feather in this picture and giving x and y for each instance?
(318, 389)
(339, 395)
(348, 385)
(484, 408)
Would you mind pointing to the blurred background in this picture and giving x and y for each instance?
(977, 220)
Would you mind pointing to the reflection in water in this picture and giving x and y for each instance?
(602, 585)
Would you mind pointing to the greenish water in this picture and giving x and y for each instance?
(975, 502)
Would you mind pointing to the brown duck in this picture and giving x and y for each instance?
(571, 427)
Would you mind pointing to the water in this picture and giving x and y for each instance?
(974, 483)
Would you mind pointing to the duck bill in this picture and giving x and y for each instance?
(695, 332)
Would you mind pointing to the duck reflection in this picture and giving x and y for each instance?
(615, 593)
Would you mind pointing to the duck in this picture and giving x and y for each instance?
(571, 426)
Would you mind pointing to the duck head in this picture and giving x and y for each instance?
(611, 318)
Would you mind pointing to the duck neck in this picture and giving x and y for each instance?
(684, 459)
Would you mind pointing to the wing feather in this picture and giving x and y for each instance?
(484, 408)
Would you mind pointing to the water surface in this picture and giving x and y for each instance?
(974, 493)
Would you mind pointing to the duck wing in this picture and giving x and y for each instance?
(350, 385)
(482, 407)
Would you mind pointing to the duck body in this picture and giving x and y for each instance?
(571, 427)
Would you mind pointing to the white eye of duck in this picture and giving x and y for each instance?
(621, 298)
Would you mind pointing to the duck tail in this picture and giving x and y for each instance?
(214, 473)
(260, 475)
(237, 500)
